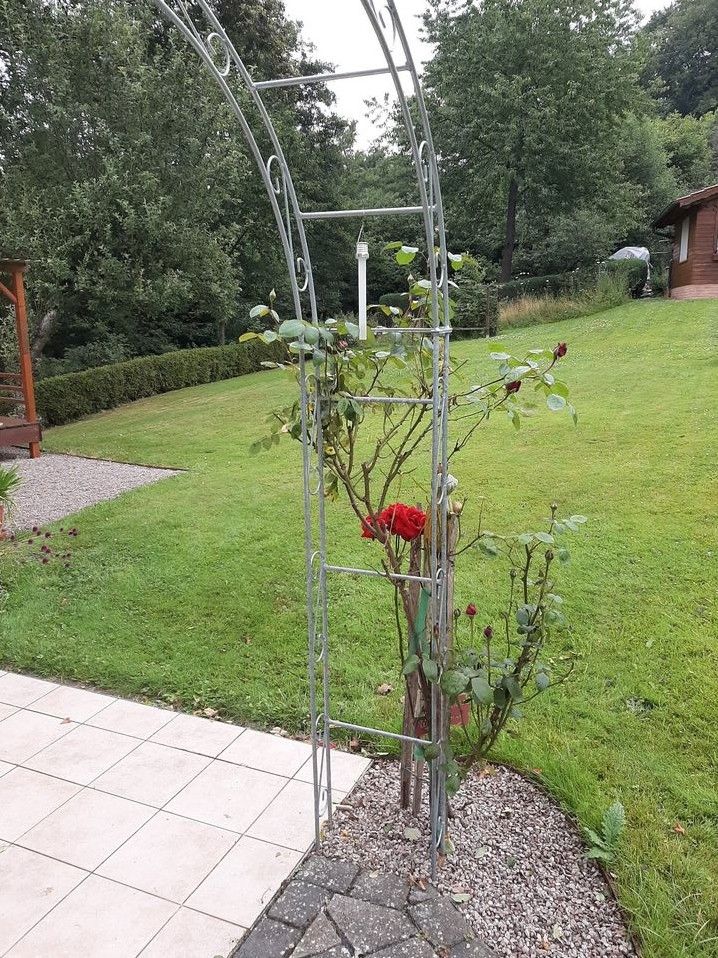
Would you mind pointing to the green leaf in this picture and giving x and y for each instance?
(411, 664)
(488, 547)
(431, 669)
(311, 335)
(560, 388)
(390, 247)
(406, 255)
(453, 682)
(481, 691)
(500, 357)
(555, 402)
(257, 311)
(564, 555)
(245, 337)
(291, 329)
(579, 520)
(545, 537)
(269, 336)
(613, 824)
(542, 681)
(512, 686)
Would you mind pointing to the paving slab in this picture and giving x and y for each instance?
(123, 831)
(368, 927)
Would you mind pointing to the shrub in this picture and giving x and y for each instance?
(62, 399)
(659, 280)
(633, 273)
(477, 305)
(397, 300)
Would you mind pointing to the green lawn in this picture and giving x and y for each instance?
(193, 589)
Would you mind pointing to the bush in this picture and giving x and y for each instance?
(397, 300)
(633, 273)
(659, 280)
(62, 399)
(477, 305)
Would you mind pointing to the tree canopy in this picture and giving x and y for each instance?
(563, 129)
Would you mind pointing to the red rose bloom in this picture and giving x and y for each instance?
(488, 632)
(401, 520)
(560, 350)
(514, 386)
(405, 521)
(471, 610)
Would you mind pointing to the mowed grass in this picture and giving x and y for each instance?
(193, 589)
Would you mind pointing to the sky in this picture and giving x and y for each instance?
(341, 35)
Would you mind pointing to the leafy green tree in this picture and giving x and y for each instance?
(682, 56)
(527, 101)
(124, 177)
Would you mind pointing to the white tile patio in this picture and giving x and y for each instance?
(129, 831)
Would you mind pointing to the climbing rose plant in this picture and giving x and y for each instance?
(370, 453)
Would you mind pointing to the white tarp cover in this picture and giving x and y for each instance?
(634, 252)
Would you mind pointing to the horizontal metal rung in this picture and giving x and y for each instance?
(394, 576)
(324, 78)
(380, 211)
(377, 731)
(391, 400)
(421, 330)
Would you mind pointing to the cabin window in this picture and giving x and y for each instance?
(683, 242)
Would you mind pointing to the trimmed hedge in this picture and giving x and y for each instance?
(551, 284)
(62, 399)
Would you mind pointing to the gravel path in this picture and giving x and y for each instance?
(519, 859)
(56, 486)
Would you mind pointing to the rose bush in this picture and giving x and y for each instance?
(369, 451)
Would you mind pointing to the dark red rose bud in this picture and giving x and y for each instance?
(471, 610)
(35, 529)
(48, 535)
(45, 560)
(560, 350)
(488, 632)
(514, 386)
(30, 541)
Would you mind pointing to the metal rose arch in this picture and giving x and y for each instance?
(203, 31)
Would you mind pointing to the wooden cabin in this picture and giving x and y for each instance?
(694, 266)
(19, 423)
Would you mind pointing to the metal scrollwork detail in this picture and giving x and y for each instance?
(216, 46)
(302, 271)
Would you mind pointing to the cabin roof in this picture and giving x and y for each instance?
(673, 212)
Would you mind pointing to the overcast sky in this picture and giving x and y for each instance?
(341, 35)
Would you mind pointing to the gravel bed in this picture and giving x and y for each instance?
(517, 856)
(55, 486)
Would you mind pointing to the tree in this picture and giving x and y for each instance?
(681, 68)
(146, 222)
(527, 98)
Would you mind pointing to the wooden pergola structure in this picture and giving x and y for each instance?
(19, 424)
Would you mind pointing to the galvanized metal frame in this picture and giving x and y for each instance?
(215, 49)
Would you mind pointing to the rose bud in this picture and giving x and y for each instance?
(560, 350)
(471, 610)
(514, 386)
(488, 632)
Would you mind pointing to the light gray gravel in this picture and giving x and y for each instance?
(519, 858)
(55, 486)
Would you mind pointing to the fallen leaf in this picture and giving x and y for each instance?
(679, 829)
(210, 713)
(461, 898)
(278, 730)
(384, 689)
(556, 932)
(412, 834)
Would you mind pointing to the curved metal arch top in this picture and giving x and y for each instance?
(198, 23)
